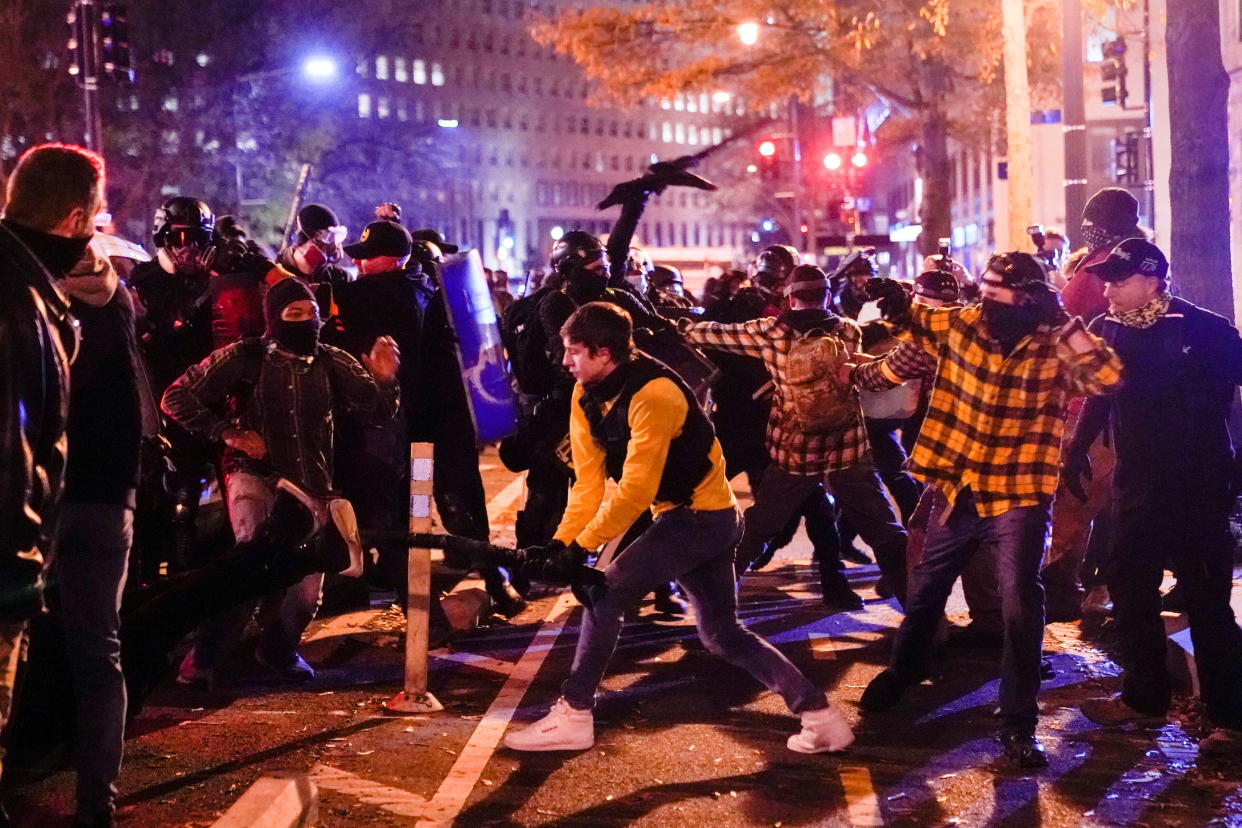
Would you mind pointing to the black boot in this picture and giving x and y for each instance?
(1023, 750)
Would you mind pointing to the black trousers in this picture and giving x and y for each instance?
(1189, 532)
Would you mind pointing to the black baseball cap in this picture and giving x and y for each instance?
(381, 238)
(1130, 257)
(433, 235)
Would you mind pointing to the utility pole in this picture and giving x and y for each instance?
(1017, 119)
(1073, 118)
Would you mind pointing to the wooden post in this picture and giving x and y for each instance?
(414, 697)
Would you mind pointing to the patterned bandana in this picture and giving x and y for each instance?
(1147, 315)
(1097, 237)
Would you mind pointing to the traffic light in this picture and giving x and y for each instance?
(1113, 73)
(99, 43)
(832, 162)
(768, 162)
(115, 59)
(1126, 159)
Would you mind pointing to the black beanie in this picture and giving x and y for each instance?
(1114, 209)
(315, 217)
(281, 295)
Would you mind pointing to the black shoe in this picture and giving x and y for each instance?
(505, 599)
(96, 819)
(667, 601)
(854, 555)
(838, 596)
(972, 635)
(1174, 600)
(883, 693)
(1024, 750)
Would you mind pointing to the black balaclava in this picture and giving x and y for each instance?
(586, 285)
(300, 338)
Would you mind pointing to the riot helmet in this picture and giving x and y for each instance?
(855, 269)
(580, 259)
(773, 267)
(184, 232)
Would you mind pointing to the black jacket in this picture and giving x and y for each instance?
(105, 415)
(385, 304)
(37, 340)
(1169, 421)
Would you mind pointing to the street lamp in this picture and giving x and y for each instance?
(832, 161)
(859, 160)
(748, 33)
(319, 68)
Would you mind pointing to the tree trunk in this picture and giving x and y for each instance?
(1017, 120)
(1199, 175)
(935, 213)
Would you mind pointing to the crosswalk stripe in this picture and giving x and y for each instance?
(392, 800)
(473, 758)
(860, 798)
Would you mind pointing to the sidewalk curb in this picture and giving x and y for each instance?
(277, 800)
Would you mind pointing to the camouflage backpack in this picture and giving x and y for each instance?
(817, 402)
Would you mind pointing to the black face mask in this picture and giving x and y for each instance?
(585, 285)
(57, 253)
(1009, 323)
(301, 338)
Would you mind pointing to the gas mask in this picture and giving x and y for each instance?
(319, 251)
(191, 261)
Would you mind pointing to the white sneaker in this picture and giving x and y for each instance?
(564, 728)
(823, 731)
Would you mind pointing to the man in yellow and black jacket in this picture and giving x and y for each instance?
(634, 421)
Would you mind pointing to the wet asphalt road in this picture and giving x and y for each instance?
(682, 738)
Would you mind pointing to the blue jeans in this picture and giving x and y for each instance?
(1015, 542)
(90, 556)
(695, 548)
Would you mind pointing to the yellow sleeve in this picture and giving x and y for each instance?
(587, 493)
(657, 414)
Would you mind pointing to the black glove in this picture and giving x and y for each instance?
(892, 297)
(553, 562)
(1075, 468)
(1048, 300)
(241, 256)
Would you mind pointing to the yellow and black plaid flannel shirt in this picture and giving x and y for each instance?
(771, 339)
(994, 423)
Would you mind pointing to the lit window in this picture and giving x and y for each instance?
(203, 59)
(692, 136)
(403, 114)
(399, 73)
(667, 135)
(702, 102)
(679, 103)
(170, 104)
(364, 105)
(679, 133)
(692, 103)
(381, 68)
(665, 104)
(420, 72)
(717, 135)
(381, 107)
(437, 75)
